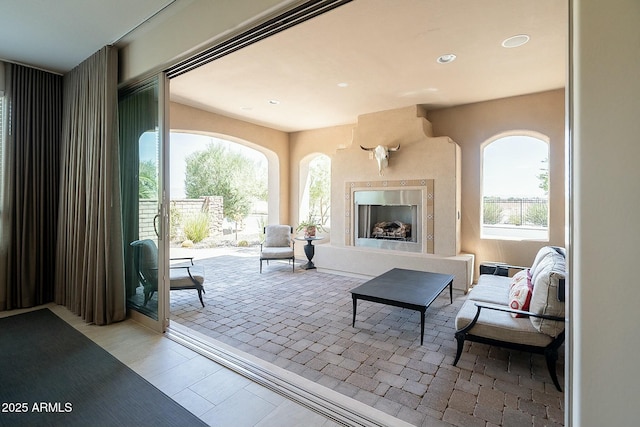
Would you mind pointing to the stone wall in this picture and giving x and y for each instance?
(184, 209)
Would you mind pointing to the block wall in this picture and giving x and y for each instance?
(184, 208)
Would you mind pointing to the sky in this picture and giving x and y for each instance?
(511, 164)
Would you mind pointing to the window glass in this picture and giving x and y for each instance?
(316, 198)
(515, 188)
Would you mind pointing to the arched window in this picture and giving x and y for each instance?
(515, 187)
(204, 165)
(315, 181)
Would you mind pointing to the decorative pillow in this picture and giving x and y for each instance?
(518, 277)
(520, 292)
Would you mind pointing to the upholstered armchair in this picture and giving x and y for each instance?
(180, 276)
(277, 244)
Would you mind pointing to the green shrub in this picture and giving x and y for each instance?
(537, 214)
(515, 219)
(243, 243)
(196, 227)
(491, 213)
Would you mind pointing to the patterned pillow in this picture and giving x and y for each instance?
(520, 291)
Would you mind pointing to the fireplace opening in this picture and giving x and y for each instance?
(388, 219)
(392, 230)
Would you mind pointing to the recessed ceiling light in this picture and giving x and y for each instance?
(515, 41)
(274, 102)
(343, 84)
(445, 59)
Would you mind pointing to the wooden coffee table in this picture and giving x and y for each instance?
(411, 289)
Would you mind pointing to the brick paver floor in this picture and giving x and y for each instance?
(301, 322)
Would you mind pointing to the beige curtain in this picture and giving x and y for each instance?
(30, 174)
(89, 276)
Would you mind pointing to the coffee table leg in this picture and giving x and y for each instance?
(422, 326)
(355, 303)
(451, 291)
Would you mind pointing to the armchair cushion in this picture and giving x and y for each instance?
(277, 235)
(148, 260)
(276, 252)
(183, 277)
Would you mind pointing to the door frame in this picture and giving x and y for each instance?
(162, 322)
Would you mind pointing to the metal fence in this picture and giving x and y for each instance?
(515, 211)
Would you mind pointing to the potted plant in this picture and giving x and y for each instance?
(310, 226)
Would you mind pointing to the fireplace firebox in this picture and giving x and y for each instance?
(388, 219)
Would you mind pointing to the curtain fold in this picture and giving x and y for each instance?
(31, 155)
(89, 276)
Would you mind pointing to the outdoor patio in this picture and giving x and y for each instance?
(301, 322)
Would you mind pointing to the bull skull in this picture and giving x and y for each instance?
(381, 153)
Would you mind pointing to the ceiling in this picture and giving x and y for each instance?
(57, 35)
(384, 51)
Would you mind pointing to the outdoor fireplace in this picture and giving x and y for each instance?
(388, 219)
(405, 194)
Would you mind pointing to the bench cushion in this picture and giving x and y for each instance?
(499, 325)
(492, 289)
(546, 280)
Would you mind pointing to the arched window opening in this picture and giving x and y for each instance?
(315, 179)
(515, 188)
(218, 189)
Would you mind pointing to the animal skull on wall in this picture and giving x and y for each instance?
(381, 153)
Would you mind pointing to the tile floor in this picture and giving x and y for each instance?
(302, 322)
(214, 393)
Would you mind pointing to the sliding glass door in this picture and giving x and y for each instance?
(143, 142)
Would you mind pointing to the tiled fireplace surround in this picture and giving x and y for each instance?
(424, 162)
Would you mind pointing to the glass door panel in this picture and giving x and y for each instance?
(141, 115)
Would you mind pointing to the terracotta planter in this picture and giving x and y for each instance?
(310, 231)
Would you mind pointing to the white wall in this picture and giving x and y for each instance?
(605, 217)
